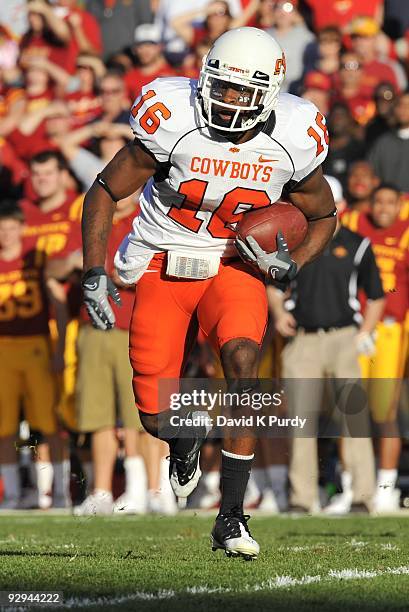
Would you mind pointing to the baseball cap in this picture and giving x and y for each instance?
(364, 26)
(147, 32)
(317, 80)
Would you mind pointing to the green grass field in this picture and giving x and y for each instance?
(166, 564)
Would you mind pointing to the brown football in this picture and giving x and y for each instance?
(264, 223)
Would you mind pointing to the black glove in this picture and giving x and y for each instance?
(278, 265)
(97, 286)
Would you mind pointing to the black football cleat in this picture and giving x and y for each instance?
(184, 471)
(231, 534)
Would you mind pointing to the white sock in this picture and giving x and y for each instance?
(260, 478)
(88, 472)
(387, 480)
(11, 480)
(211, 480)
(135, 476)
(44, 473)
(346, 481)
(277, 475)
(62, 472)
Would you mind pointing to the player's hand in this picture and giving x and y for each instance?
(98, 287)
(278, 265)
(365, 343)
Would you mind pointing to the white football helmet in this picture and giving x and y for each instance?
(250, 61)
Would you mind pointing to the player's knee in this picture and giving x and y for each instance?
(240, 358)
(160, 425)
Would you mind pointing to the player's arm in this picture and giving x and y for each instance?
(314, 198)
(129, 170)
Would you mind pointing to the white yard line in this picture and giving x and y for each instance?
(272, 584)
(355, 545)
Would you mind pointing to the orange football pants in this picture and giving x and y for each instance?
(168, 313)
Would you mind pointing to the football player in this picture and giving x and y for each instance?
(389, 235)
(25, 374)
(52, 216)
(207, 152)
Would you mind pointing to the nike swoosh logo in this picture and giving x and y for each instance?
(91, 287)
(263, 160)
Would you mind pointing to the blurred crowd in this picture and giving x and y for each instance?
(69, 72)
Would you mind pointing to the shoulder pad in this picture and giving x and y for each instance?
(302, 130)
(163, 113)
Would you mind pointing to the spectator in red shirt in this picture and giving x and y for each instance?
(364, 31)
(350, 89)
(41, 130)
(53, 77)
(38, 86)
(151, 61)
(49, 36)
(85, 28)
(30, 134)
(85, 103)
(257, 14)
(38, 96)
(341, 12)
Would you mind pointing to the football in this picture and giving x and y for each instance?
(264, 223)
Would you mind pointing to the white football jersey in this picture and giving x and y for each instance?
(205, 182)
